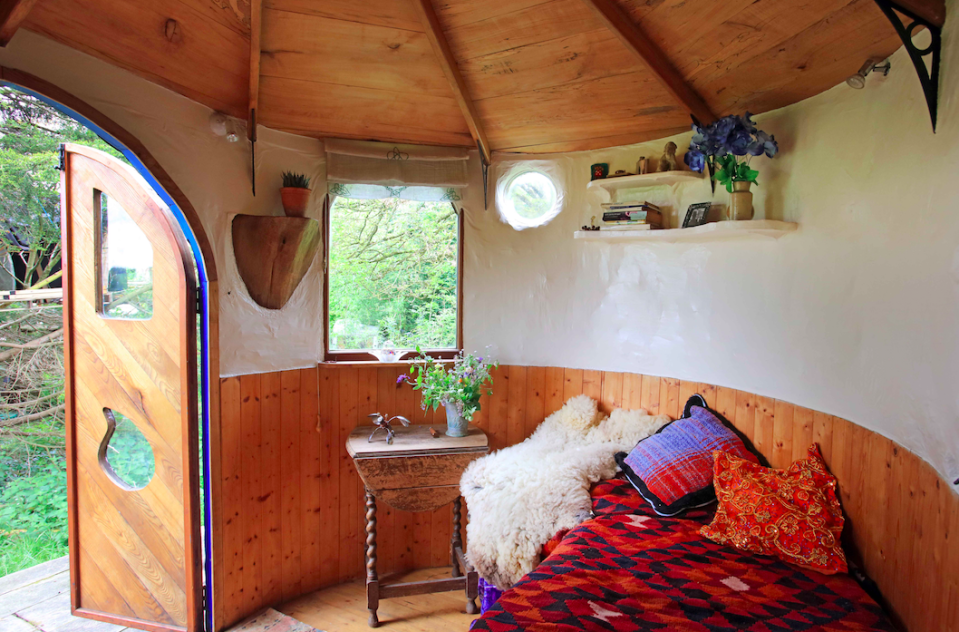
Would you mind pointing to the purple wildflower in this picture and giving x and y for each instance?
(402, 379)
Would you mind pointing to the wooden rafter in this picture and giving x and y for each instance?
(445, 56)
(256, 18)
(622, 25)
(12, 15)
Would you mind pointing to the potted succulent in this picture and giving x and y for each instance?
(295, 194)
(727, 147)
(457, 388)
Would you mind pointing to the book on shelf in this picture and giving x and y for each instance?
(644, 215)
(630, 227)
(629, 205)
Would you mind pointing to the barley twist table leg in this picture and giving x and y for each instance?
(457, 541)
(372, 582)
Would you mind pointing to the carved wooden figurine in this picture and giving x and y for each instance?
(382, 423)
(668, 161)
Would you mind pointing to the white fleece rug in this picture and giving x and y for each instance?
(519, 497)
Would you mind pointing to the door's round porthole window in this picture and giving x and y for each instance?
(528, 198)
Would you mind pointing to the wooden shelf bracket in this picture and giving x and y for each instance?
(931, 20)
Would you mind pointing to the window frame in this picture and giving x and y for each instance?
(358, 355)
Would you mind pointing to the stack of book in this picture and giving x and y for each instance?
(631, 216)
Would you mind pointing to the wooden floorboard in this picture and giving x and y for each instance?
(38, 600)
(343, 608)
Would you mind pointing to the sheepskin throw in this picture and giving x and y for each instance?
(519, 497)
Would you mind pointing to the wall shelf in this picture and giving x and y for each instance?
(716, 231)
(645, 180)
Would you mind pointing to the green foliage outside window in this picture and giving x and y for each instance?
(393, 278)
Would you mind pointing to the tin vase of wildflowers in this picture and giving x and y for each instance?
(458, 387)
(727, 147)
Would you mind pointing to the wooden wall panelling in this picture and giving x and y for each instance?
(535, 399)
(271, 511)
(251, 472)
(516, 410)
(230, 582)
(902, 518)
(310, 480)
(290, 481)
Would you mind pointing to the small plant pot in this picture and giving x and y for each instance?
(295, 200)
(740, 202)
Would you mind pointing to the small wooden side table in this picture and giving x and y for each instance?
(416, 473)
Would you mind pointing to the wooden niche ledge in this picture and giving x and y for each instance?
(273, 255)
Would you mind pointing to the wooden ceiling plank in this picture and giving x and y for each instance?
(256, 21)
(12, 15)
(809, 62)
(932, 11)
(206, 63)
(388, 13)
(397, 60)
(633, 37)
(567, 60)
(330, 110)
(600, 142)
(434, 31)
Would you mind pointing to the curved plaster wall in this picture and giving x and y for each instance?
(855, 314)
(215, 176)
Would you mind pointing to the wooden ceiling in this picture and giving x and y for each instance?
(530, 75)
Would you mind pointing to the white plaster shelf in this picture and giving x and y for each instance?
(715, 231)
(645, 180)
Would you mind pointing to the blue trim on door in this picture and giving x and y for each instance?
(202, 293)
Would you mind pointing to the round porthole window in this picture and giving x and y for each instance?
(528, 198)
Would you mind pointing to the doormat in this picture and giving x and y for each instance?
(272, 621)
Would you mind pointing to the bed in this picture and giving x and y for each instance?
(629, 569)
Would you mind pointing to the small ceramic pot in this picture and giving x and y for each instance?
(740, 202)
(456, 424)
(295, 201)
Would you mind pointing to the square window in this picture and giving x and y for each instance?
(392, 278)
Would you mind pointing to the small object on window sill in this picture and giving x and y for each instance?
(383, 423)
(592, 224)
(388, 355)
(435, 434)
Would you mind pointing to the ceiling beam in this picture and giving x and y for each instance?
(622, 25)
(256, 20)
(445, 56)
(12, 15)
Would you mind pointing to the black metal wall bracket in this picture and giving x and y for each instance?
(928, 77)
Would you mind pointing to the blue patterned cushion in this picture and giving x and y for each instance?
(673, 469)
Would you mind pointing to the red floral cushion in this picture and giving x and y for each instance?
(793, 514)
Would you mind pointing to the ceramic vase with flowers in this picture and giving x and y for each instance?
(457, 386)
(727, 147)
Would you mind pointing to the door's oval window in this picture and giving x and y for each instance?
(125, 263)
(125, 454)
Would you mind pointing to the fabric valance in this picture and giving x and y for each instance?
(395, 165)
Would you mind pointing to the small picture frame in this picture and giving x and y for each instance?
(599, 171)
(696, 214)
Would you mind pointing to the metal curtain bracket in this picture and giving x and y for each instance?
(928, 80)
(485, 164)
(252, 135)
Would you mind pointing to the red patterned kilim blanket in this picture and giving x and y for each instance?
(629, 569)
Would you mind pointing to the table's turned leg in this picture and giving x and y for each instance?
(372, 583)
(457, 542)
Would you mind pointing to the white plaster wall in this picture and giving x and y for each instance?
(856, 314)
(215, 176)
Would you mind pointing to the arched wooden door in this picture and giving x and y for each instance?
(131, 376)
